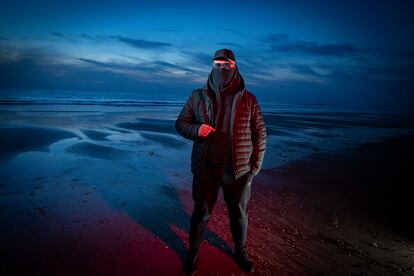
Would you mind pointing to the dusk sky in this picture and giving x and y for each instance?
(357, 52)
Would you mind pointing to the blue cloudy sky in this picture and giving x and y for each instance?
(288, 51)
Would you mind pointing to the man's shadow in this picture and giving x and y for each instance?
(168, 209)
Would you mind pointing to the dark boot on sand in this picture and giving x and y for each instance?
(190, 263)
(243, 260)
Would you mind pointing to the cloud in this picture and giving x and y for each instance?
(64, 37)
(283, 43)
(98, 38)
(200, 57)
(168, 65)
(33, 68)
(304, 70)
(229, 44)
(139, 43)
(234, 32)
(57, 34)
(156, 71)
(109, 65)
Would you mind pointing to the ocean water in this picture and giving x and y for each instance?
(69, 100)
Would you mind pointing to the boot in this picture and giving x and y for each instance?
(190, 263)
(243, 260)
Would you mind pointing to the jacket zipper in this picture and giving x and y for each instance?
(235, 105)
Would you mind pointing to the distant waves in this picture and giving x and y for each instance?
(109, 102)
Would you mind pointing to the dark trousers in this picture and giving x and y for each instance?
(236, 195)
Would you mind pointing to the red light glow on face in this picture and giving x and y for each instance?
(225, 64)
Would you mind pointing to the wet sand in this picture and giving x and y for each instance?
(116, 200)
(15, 140)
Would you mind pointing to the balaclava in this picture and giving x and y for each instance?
(222, 78)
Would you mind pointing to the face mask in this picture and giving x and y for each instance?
(223, 77)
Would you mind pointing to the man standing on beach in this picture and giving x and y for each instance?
(226, 124)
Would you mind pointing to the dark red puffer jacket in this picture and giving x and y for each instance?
(247, 128)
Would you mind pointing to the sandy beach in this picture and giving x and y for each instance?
(92, 192)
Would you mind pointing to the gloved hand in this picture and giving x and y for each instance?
(205, 129)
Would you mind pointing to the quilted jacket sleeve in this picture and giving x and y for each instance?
(185, 123)
(258, 130)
